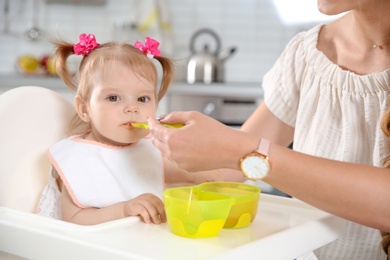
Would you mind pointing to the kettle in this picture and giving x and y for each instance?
(205, 66)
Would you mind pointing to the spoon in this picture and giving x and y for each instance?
(146, 125)
(190, 199)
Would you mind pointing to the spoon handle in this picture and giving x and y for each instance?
(145, 125)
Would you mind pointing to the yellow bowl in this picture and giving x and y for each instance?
(246, 200)
(196, 214)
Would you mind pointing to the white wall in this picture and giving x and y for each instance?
(251, 25)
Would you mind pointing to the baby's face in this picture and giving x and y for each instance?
(123, 98)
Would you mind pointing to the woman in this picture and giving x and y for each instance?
(325, 93)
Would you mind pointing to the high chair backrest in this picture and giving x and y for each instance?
(31, 120)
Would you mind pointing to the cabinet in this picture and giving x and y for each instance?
(230, 103)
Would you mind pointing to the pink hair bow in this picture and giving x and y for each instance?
(86, 44)
(150, 48)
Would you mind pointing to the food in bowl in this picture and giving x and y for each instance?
(246, 199)
(194, 213)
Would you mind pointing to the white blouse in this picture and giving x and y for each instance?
(336, 114)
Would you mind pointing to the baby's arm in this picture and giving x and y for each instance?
(148, 206)
(175, 176)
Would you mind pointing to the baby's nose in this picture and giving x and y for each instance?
(131, 108)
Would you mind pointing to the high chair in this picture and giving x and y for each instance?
(31, 120)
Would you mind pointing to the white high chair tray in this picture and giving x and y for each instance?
(283, 229)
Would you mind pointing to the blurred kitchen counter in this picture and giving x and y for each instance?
(178, 88)
(234, 89)
(225, 89)
(9, 81)
(16, 80)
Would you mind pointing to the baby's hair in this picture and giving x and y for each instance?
(100, 62)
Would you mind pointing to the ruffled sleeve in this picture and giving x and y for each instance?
(282, 83)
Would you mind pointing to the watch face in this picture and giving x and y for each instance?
(255, 167)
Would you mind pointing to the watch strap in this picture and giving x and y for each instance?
(264, 147)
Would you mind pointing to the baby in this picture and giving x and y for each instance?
(108, 169)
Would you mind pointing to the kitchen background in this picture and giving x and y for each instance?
(258, 29)
(254, 27)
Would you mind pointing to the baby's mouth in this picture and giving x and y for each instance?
(128, 124)
(136, 124)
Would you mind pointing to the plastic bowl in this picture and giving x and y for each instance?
(196, 214)
(246, 200)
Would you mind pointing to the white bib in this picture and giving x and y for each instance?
(98, 175)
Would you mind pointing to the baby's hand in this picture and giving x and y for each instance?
(148, 206)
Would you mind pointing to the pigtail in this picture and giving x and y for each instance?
(63, 51)
(167, 77)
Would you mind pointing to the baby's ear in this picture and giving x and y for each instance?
(82, 109)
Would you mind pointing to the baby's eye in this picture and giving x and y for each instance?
(113, 98)
(143, 99)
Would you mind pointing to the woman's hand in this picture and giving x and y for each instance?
(148, 206)
(202, 143)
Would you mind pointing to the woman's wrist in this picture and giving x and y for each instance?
(247, 144)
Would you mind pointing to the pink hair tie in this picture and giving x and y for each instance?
(86, 44)
(150, 48)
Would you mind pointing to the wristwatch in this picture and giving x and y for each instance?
(255, 165)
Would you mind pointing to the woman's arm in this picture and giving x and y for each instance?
(175, 176)
(356, 192)
(360, 193)
(272, 128)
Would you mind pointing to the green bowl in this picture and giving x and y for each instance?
(194, 213)
(246, 200)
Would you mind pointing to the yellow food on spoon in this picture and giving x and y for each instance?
(146, 125)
